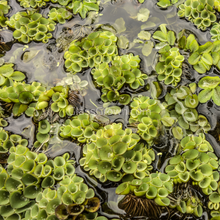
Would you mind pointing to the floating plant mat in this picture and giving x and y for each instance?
(109, 109)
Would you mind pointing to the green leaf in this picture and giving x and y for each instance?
(189, 40)
(215, 57)
(147, 48)
(177, 132)
(159, 35)
(205, 95)
(209, 82)
(143, 14)
(200, 68)
(207, 58)
(119, 25)
(216, 96)
(18, 76)
(113, 110)
(194, 58)
(167, 121)
(144, 35)
(163, 28)
(194, 46)
(216, 46)
(171, 38)
(123, 42)
(207, 47)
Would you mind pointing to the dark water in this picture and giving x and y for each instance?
(48, 68)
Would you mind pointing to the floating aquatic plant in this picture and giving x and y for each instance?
(3, 116)
(123, 70)
(8, 140)
(200, 12)
(31, 26)
(33, 3)
(114, 154)
(167, 3)
(197, 162)
(215, 32)
(22, 96)
(8, 75)
(80, 128)
(182, 103)
(211, 89)
(59, 15)
(169, 66)
(4, 9)
(98, 47)
(150, 116)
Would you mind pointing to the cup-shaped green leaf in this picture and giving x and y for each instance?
(79, 197)
(123, 189)
(152, 192)
(44, 127)
(32, 191)
(114, 176)
(162, 201)
(75, 209)
(17, 200)
(48, 182)
(58, 173)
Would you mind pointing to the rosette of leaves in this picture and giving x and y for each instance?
(157, 186)
(97, 47)
(22, 96)
(196, 162)
(31, 26)
(169, 67)
(59, 15)
(203, 57)
(3, 122)
(59, 97)
(28, 173)
(8, 140)
(150, 117)
(201, 13)
(83, 6)
(123, 70)
(114, 155)
(182, 103)
(211, 89)
(4, 9)
(215, 32)
(33, 3)
(166, 3)
(8, 75)
(80, 128)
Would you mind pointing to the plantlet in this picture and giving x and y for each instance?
(31, 26)
(114, 154)
(166, 3)
(201, 13)
(59, 15)
(150, 117)
(98, 47)
(215, 32)
(4, 9)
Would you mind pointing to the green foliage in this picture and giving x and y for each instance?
(201, 12)
(166, 3)
(157, 186)
(215, 32)
(83, 6)
(217, 5)
(182, 105)
(150, 116)
(59, 15)
(58, 100)
(8, 76)
(169, 66)
(114, 154)
(123, 70)
(196, 161)
(33, 3)
(31, 26)
(98, 47)
(23, 97)
(4, 9)
(10, 140)
(80, 128)
(211, 89)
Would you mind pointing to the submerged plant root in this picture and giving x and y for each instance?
(135, 206)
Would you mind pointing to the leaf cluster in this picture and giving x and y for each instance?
(150, 116)
(59, 15)
(200, 12)
(4, 9)
(166, 3)
(31, 26)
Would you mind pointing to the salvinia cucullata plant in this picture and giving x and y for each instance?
(150, 117)
(98, 47)
(166, 3)
(211, 89)
(114, 154)
(200, 12)
(31, 26)
(59, 15)
(182, 103)
(4, 9)
(123, 70)
(215, 32)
